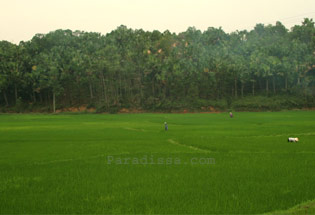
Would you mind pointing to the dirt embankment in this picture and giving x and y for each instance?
(133, 110)
(76, 109)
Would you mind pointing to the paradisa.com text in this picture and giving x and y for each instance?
(154, 160)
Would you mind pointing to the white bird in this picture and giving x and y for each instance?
(293, 139)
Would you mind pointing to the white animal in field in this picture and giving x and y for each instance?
(293, 139)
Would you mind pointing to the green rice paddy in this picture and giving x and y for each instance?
(128, 163)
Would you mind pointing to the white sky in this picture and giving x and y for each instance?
(22, 19)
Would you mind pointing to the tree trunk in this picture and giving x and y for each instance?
(5, 98)
(40, 97)
(31, 96)
(297, 71)
(120, 88)
(117, 93)
(267, 86)
(34, 96)
(79, 99)
(91, 90)
(47, 99)
(70, 96)
(140, 90)
(104, 89)
(15, 93)
(253, 88)
(235, 87)
(129, 90)
(242, 90)
(100, 98)
(274, 85)
(153, 89)
(54, 102)
(125, 87)
(299, 80)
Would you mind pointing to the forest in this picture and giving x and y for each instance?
(267, 68)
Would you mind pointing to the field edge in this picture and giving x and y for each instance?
(307, 207)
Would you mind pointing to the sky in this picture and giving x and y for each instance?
(22, 19)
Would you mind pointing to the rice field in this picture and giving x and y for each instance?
(128, 163)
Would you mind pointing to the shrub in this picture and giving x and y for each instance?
(101, 108)
(113, 109)
(262, 103)
(91, 105)
(20, 106)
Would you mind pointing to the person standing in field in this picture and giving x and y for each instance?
(231, 114)
(166, 126)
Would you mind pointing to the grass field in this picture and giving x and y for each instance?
(88, 163)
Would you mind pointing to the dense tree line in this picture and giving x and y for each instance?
(157, 71)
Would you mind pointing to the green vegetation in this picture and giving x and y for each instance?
(59, 163)
(156, 71)
(301, 209)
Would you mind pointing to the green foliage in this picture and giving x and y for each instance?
(113, 109)
(101, 108)
(20, 106)
(91, 105)
(300, 209)
(262, 103)
(158, 71)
